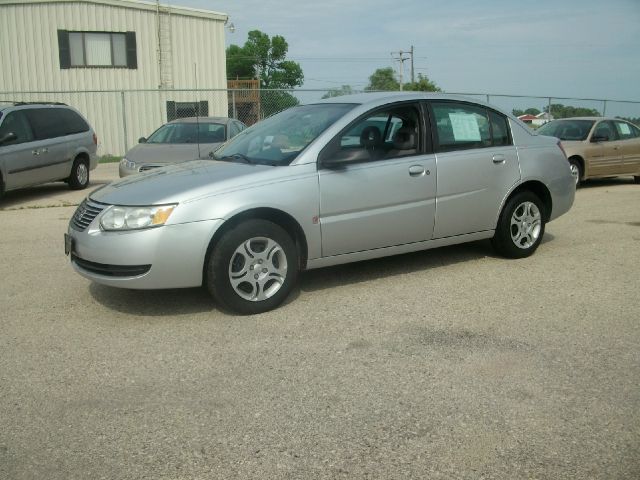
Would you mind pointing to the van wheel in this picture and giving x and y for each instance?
(1, 188)
(79, 177)
(520, 227)
(253, 267)
(635, 179)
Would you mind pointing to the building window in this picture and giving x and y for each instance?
(187, 109)
(97, 49)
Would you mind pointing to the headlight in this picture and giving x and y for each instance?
(128, 164)
(135, 218)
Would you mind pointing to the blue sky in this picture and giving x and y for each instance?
(571, 48)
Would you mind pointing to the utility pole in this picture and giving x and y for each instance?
(413, 79)
(401, 59)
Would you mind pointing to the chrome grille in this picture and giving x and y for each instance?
(85, 214)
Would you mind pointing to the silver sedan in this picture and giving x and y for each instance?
(341, 180)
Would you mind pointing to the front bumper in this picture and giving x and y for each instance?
(171, 256)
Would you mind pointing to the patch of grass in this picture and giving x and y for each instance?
(109, 159)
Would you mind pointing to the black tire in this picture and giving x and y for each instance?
(576, 170)
(263, 257)
(1, 187)
(79, 178)
(520, 227)
(635, 179)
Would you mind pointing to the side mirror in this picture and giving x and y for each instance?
(9, 137)
(599, 138)
(142, 140)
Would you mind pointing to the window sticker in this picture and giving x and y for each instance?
(465, 127)
(624, 129)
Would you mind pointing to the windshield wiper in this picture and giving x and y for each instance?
(236, 157)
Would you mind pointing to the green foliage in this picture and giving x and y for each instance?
(109, 159)
(561, 111)
(337, 92)
(383, 79)
(423, 84)
(275, 101)
(264, 58)
(529, 111)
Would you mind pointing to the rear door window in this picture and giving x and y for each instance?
(461, 126)
(625, 130)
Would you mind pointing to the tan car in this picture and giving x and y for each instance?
(597, 146)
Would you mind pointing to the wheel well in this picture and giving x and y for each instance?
(280, 218)
(580, 160)
(541, 191)
(83, 156)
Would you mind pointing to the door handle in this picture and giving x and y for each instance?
(35, 152)
(498, 158)
(416, 170)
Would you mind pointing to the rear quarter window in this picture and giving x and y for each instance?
(55, 122)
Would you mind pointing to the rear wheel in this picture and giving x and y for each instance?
(79, 177)
(521, 226)
(576, 170)
(253, 267)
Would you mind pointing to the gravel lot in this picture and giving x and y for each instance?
(450, 363)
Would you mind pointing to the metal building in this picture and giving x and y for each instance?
(92, 54)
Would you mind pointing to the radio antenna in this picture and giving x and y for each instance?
(197, 107)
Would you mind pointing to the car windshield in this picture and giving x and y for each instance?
(278, 140)
(203, 132)
(567, 129)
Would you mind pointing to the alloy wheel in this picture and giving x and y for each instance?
(526, 223)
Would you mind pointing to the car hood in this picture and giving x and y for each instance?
(183, 182)
(162, 153)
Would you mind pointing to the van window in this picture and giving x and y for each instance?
(55, 122)
(17, 123)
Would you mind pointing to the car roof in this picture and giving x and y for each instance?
(223, 120)
(587, 118)
(373, 99)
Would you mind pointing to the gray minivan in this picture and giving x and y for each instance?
(44, 142)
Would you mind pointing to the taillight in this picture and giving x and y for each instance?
(562, 148)
(95, 139)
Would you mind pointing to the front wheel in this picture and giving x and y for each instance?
(79, 178)
(253, 267)
(576, 171)
(521, 226)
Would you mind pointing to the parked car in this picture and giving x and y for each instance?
(179, 141)
(289, 194)
(44, 142)
(598, 147)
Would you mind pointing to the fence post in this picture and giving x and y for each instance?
(549, 110)
(124, 124)
(233, 104)
(487, 98)
(604, 108)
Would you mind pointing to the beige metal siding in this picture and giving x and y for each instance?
(30, 59)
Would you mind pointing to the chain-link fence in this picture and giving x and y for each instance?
(121, 117)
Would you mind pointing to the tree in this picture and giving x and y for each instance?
(383, 79)
(422, 85)
(337, 92)
(264, 58)
(529, 111)
(560, 111)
